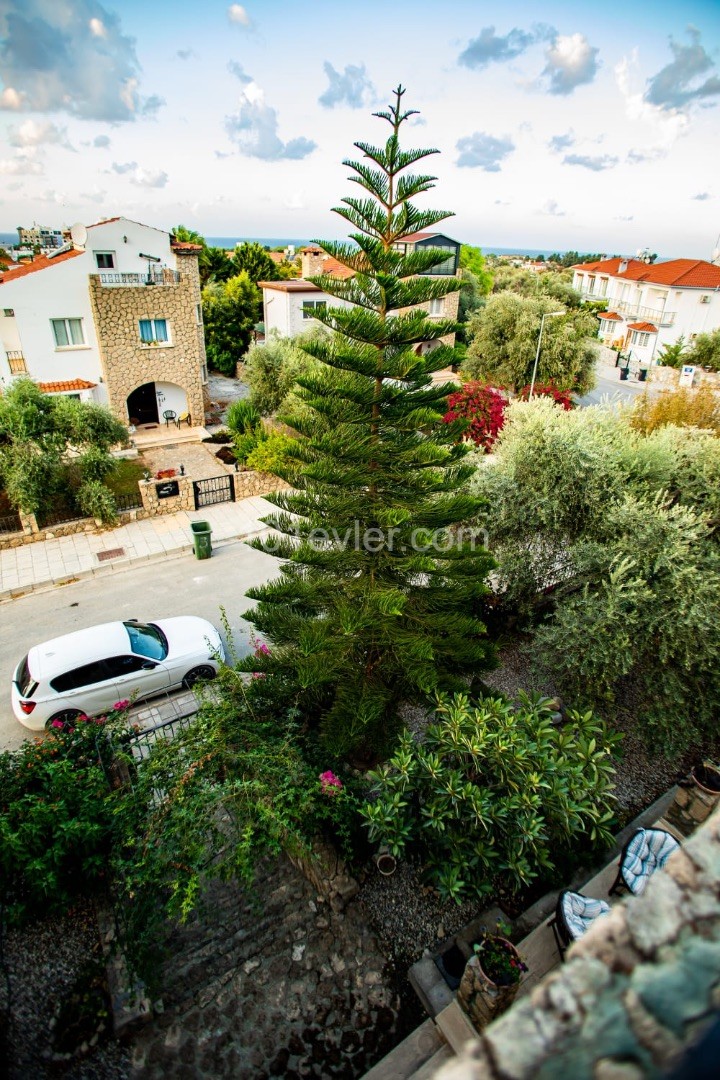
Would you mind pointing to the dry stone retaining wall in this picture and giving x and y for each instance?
(637, 990)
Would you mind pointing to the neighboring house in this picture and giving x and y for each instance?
(651, 305)
(289, 306)
(113, 317)
(40, 236)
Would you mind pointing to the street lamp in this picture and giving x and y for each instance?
(547, 315)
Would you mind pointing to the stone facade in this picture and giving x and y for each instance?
(126, 362)
(635, 993)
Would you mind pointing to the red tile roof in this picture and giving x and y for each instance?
(184, 247)
(681, 273)
(646, 327)
(40, 262)
(69, 384)
(105, 221)
(610, 315)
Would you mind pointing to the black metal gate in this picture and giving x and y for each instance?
(215, 490)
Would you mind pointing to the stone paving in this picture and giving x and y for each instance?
(270, 984)
(66, 558)
(198, 458)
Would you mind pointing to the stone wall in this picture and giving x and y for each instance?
(126, 363)
(668, 377)
(636, 991)
(154, 505)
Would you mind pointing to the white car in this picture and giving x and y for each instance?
(89, 670)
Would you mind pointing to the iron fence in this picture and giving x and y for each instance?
(10, 523)
(131, 501)
(151, 277)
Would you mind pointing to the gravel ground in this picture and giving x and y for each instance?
(43, 961)
(223, 391)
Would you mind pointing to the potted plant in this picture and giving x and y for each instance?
(696, 797)
(491, 978)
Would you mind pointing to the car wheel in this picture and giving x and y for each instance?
(204, 671)
(65, 716)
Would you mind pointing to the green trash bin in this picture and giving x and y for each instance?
(202, 534)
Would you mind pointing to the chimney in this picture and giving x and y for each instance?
(623, 266)
(312, 259)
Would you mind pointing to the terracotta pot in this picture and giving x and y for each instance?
(696, 798)
(481, 998)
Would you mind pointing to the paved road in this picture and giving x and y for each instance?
(180, 586)
(609, 386)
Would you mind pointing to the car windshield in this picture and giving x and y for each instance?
(146, 639)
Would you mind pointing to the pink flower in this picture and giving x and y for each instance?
(57, 724)
(330, 784)
(121, 705)
(261, 647)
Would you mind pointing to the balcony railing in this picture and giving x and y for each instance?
(151, 277)
(16, 360)
(633, 310)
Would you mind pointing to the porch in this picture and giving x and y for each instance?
(147, 436)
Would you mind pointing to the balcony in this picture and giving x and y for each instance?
(632, 310)
(151, 277)
(17, 364)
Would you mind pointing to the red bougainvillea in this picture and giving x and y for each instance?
(560, 397)
(484, 406)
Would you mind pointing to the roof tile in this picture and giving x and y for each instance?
(69, 384)
(40, 262)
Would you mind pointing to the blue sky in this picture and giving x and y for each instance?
(590, 127)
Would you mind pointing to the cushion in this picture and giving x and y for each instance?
(580, 912)
(647, 851)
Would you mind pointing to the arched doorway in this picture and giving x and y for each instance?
(142, 405)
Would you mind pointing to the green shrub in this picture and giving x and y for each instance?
(674, 355)
(271, 454)
(494, 794)
(96, 500)
(55, 822)
(705, 351)
(242, 417)
(272, 370)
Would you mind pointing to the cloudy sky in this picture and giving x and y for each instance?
(595, 128)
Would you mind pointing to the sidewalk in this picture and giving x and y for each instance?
(52, 562)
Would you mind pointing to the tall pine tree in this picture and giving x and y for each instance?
(376, 604)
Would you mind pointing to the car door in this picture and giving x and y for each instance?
(138, 676)
(90, 688)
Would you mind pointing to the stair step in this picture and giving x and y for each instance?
(455, 1027)
(408, 1056)
(429, 1069)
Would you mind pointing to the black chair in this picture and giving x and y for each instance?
(646, 851)
(168, 416)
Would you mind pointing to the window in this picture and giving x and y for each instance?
(125, 665)
(640, 338)
(447, 266)
(436, 307)
(8, 312)
(105, 260)
(147, 640)
(311, 306)
(154, 331)
(198, 314)
(204, 374)
(81, 676)
(705, 298)
(68, 333)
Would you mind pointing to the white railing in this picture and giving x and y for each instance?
(639, 311)
(150, 277)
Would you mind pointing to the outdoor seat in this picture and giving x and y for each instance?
(184, 418)
(574, 915)
(646, 851)
(169, 415)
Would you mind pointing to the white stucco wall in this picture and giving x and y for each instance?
(170, 396)
(283, 310)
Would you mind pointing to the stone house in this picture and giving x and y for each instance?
(289, 306)
(115, 317)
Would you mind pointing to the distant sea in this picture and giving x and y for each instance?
(7, 239)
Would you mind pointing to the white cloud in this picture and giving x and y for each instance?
(702, 196)
(254, 127)
(296, 201)
(562, 142)
(101, 142)
(588, 161)
(551, 209)
(38, 133)
(57, 198)
(69, 57)
(570, 61)
(96, 196)
(489, 47)
(483, 151)
(677, 85)
(351, 87)
(238, 15)
(25, 163)
(664, 127)
(139, 176)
